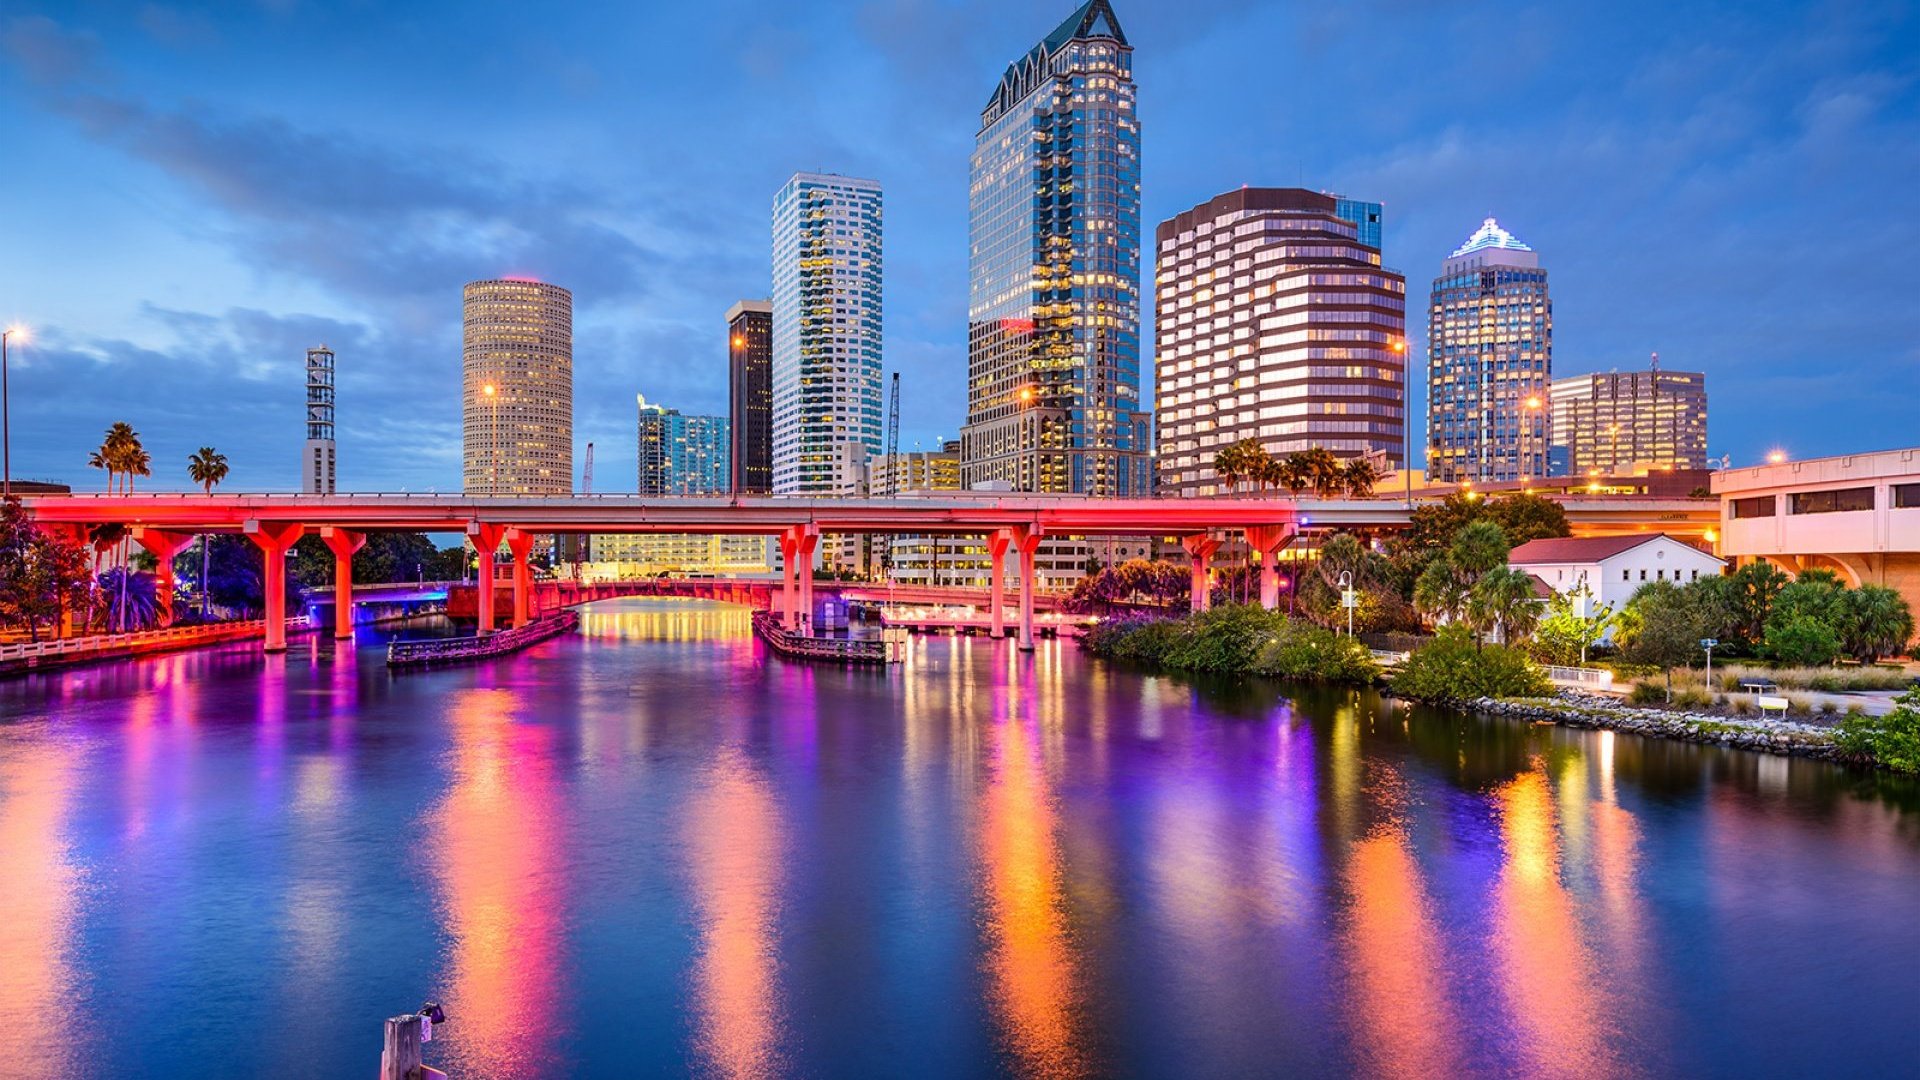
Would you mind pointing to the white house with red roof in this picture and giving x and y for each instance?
(1612, 567)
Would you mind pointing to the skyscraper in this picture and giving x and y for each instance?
(1274, 322)
(317, 456)
(1489, 359)
(1053, 338)
(680, 454)
(750, 396)
(826, 331)
(516, 394)
(1625, 422)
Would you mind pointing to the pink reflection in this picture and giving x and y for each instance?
(39, 891)
(733, 837)
(495, 840)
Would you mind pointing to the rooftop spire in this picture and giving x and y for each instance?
(1490, 235)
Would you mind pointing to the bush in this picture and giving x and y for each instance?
(1802, 639)
(1892, 740)
(1647, 693)
(1828, 708)
(1235, 639)
(1692, 698)
(1452, 668)
(1312, 654)
(1224, 640)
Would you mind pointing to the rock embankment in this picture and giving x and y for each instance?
(1574, 709)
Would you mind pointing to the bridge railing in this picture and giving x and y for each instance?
(447, 650)
(847, 650)
(1585, 678)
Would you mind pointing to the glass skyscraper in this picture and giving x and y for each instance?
(750, 395)
(680, 454)
(1489, 360)
(826, 332)
(1053, 341)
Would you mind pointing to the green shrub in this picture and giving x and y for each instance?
(1235, 639)
(1300, 651)
(1692, 698)
(1224, 640)
(1802, 639)
(1647, 693)
(1740, 706)
(1452, 668)
(1892, 740)
(1828, 708)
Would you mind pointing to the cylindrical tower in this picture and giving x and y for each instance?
(516, 393)
(317, 455)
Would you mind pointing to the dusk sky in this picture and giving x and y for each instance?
(193, 195)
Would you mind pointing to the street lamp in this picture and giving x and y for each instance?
(6, 412)
(1708, 643)
(1776, 457)
(1348, 599)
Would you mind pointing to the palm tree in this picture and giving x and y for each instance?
(1438, 593)
(1324, 471)
(1877, 622)
(1502, 603)
(1295, 473)
(1229, 464)
(1359, 477)
(207, 467)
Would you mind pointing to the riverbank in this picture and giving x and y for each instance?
(1570, 708)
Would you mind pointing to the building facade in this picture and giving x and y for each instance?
(1619, 422)
(826, 360)
(516, 392)
(750, 396)
(1053, 339)
(1274, 322)
(317, 457)
(680, 454)
(1489, 362)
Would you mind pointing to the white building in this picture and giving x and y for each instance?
(317, 457)
(826, 332)
(1612, 568)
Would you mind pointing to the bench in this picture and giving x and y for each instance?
(1759, 686)
(1772, 702)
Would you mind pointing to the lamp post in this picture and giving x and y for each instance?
(6, 412)
(1347, 598)
(1708, 644)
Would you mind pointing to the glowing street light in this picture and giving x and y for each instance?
(1775, 457)
(6, 412)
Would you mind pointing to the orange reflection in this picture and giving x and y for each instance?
(733, 835)
(502, 897)
(1030, 962)
(38, 891)
(1552, 988)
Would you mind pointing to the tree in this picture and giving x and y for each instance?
(1814, 597)
(206, 467)
(1324, 471)
(1526, 517)
(1359, 478)
(1563, 636)
(1755, 587)
(1431, 526)
(1295, 473)
(41, 576)
(1229, 464)
(1502, 605)
(1665, 628)
(1802, 639)
(1875, 622)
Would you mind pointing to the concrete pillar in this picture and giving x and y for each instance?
(274, 539)
(520, 543)
(1026, 542)
(164, 546)
(1266, 541)
(486, 540)
(343, 543)
(789, 551)
(1200, 549)
(997, 543)
(808, 539)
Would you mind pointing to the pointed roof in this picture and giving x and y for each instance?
(1094, 19)
(1490, 235)
(1583, 549)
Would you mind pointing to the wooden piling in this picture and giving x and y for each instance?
(400, 1058)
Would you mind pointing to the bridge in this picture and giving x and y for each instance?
(165, 523)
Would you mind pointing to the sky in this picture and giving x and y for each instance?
(192, 195)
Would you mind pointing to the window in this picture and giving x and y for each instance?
(1838, 501)
(1758, 506)
(1626, 575)
(1906, 496)
(1661, 574)
(1695, 577)
(1643, 574)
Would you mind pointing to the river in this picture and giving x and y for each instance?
(652, 849)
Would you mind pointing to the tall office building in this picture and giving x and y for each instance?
(1274, 322)
(680, 454)
(516, 392)
(1367, 218)
(1628, 422)
(750, 396)
(317, 460)
(1053, 337)
(826, 331)
(1489, 359)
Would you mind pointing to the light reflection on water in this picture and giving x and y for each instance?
(651, 848)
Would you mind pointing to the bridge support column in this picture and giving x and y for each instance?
(275, 539)
(520, 543)
(1026, 541)
(164, 546)
(997, 543)
(789, 551)
(807, 539)
(1267, 541)
(486, 541)
(343, 543)
(1200, 549)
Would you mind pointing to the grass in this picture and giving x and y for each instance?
(1829, 680)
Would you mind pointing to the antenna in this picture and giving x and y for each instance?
(586, 474)
(893, 438)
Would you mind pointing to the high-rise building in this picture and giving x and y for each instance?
(826, 331)
(1367, 218)
(317, 461)
(1274, 322)
(1489, 359)
(1053, 337)
(929, 558)
(516, 393)
(1627, 422)
(750, 396)
(681, 454)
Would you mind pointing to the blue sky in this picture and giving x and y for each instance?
(192, 195)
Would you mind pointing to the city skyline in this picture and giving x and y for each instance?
(233, 287)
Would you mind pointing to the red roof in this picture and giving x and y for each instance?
(1580, 549)
(1541, 590)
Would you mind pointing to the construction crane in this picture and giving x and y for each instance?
(586, 474)
(893, 439)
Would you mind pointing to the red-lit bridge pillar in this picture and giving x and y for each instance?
(275, 539)
(520, 543)
(163, 546)
(1026, 542)
(343, 543)
(1200, 549)
(1266, 541)
(486, 542)
(997, 543)
(797, 546)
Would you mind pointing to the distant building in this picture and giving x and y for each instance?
(1053, 337)
(826, 361)
(1631, 421)
(1367, 218)
(1489, 360)
(679, 455)
(927, 559)
(317, 457)
(750, 396)
(516, 394)
(1274, 322)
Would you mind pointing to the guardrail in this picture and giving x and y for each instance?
(1389, 657)
(808, 647)
(426, 651)
(1589, 678)
(144, 640)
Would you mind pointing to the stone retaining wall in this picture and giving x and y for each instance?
(1575, 709)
